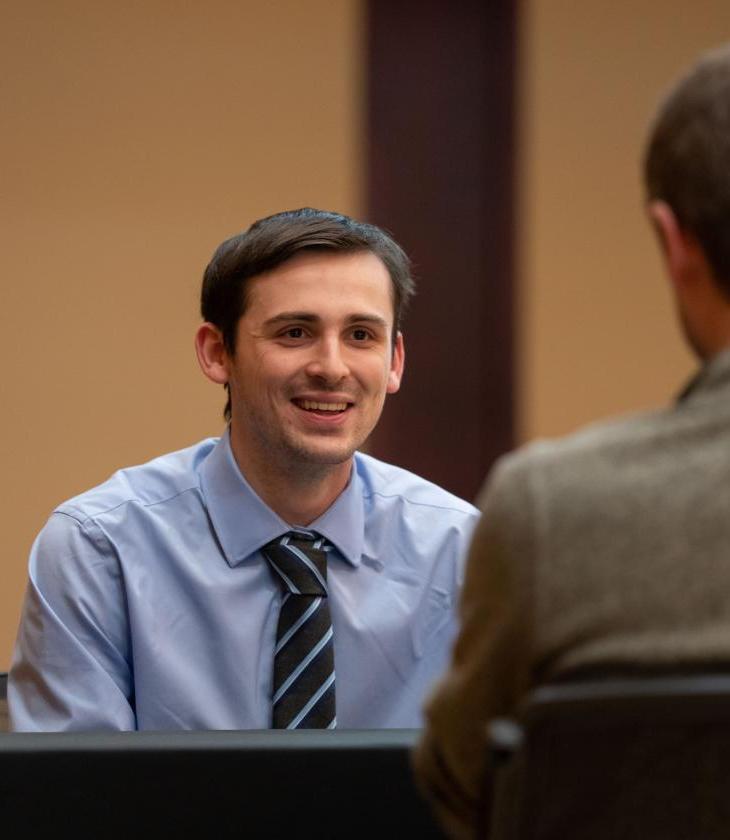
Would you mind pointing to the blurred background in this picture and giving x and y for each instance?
(500, 143)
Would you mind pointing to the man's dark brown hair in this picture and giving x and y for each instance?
(687, 162)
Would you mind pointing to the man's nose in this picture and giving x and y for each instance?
(328, 362)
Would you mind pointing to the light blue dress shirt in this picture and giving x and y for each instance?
(150, 605)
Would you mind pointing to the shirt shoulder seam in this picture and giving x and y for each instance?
(471, 509)
(91, 517)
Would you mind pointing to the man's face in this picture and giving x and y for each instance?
(314, 360)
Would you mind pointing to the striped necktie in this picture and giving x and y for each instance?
(304, 662)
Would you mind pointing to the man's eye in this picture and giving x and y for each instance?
(294, 332)
(360, 335)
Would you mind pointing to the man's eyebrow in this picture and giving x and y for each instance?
(282, 317)
(368, 318)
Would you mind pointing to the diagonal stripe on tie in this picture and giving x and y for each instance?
(299, 670)
(311, 703)
(302, 557)
(291, 587)
(298, 624)
(303, 688)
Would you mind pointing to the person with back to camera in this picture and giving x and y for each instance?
(275, 577)
(605, 553)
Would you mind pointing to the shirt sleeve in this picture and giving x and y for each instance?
(489, 671)
(70, 667)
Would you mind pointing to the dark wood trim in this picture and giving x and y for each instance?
(440, 177)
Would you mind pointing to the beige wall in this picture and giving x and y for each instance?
(135, 137)
(597, 333)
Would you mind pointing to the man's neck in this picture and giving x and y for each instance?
(299, 493)
(704, 310)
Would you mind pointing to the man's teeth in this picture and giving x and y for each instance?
(310, 405)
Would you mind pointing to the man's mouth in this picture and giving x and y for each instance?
(322, 407)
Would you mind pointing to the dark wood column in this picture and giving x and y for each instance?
(441, 91)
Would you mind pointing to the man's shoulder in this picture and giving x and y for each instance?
(386, 481)
(160, 479)
(628, 448)
(607, 438)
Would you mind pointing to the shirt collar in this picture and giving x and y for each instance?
(243, 522)
(714, 374)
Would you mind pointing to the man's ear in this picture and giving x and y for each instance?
(397, 363)
(212, 355)
(678, 246)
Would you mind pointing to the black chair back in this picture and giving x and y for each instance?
(613, 760)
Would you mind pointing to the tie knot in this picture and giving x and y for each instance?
(300, 562)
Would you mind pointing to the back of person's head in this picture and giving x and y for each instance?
(273, 240)
(687, 161)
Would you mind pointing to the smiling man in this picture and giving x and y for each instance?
(275, 576)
